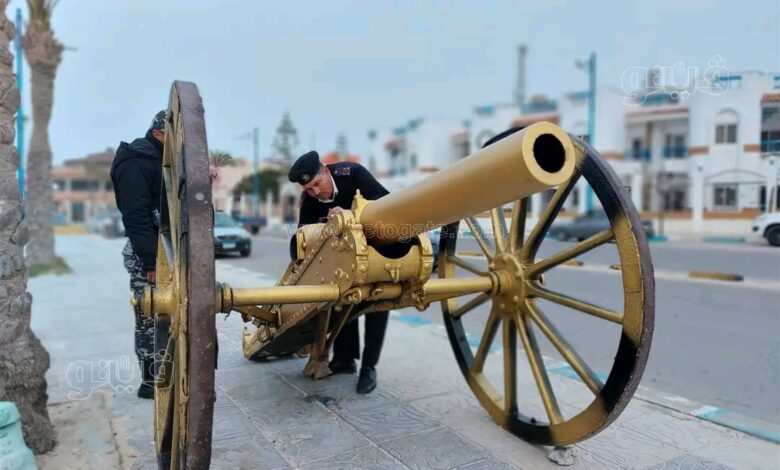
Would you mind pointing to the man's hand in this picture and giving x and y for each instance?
(334, 211)
(151, 276)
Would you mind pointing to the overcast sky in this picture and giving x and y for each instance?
(353, 66)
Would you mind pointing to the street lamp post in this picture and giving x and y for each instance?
(20, 111)
(589, 66)
(256, 171)
(255, 137)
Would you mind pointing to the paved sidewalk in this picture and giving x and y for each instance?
(269, 416)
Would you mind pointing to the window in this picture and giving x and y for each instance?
(770, 141)
(725, 197)
(762, 198)
(675, 146)
(77, 212)
(726, 134)
(726, 127)
(637, 152)
(59, 185)
(413, 161)
(84, 185)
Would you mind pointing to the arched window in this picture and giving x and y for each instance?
(726, 123)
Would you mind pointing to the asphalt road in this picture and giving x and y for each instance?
(715, 343)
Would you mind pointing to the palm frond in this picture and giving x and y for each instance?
(41, 10)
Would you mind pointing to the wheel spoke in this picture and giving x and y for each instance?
(461, 263)
(479, 236)
(556, 338)
(572, 252)
(499, 228)
(510, 367)
(470, 305)
(173, 209)
(547, 216)
(517, 224)
(539, 291)
(537, 368)
(487, 339)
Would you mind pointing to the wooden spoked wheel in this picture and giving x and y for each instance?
(512, 257)
(185, 341)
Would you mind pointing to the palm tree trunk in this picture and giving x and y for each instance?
(23, 360)
(44, 54)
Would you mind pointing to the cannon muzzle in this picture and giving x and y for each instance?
(534, 159)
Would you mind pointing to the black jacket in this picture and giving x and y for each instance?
(349, 177)
(136, 173)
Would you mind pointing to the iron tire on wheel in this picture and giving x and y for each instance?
(517, 315)
(185, 341)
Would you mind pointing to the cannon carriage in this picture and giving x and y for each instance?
(378, 257)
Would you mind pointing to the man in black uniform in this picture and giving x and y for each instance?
(136, 173)
(328, 189)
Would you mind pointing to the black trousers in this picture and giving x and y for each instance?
(347, 343)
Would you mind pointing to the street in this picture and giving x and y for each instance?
(715, 342)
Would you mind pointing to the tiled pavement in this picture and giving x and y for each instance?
(269, 416)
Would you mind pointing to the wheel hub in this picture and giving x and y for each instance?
(512, 278)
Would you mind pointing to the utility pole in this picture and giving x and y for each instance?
(255, 137)
(20, 176)
(256, 174)
(589, 66)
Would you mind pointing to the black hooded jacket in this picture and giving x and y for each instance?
(136, 173)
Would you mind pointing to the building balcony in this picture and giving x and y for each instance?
(770, 146)
(638, 154)
(675, 152)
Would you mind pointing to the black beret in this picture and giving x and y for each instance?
(305, 168)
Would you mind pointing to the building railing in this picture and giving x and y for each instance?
(675, 152)
(637, 154)
(770, 145)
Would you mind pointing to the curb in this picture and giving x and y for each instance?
(720, 239)
(716, 276)
(70, 229)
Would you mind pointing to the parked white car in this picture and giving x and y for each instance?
(768, 226)
(234, 238)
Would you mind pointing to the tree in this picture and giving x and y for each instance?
(269, 181)
(44, 54)
(285, 140)
(219, 159)
(23, 360)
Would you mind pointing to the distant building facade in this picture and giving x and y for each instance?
(702, 160)
(83, 188)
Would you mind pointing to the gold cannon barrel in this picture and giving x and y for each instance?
(534, 159)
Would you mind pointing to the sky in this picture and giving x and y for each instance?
(349, 66)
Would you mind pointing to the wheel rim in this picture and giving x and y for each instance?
(186, 340)
(514, 260)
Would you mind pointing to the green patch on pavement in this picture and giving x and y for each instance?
(57, 266)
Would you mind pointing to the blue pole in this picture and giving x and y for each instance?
(20, 111)
(256, 172)
(591, 118)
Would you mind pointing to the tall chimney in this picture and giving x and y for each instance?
(522, 50)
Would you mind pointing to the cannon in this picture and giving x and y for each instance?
(377, 257)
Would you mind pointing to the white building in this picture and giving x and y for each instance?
(406, 154)
(695, 158)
